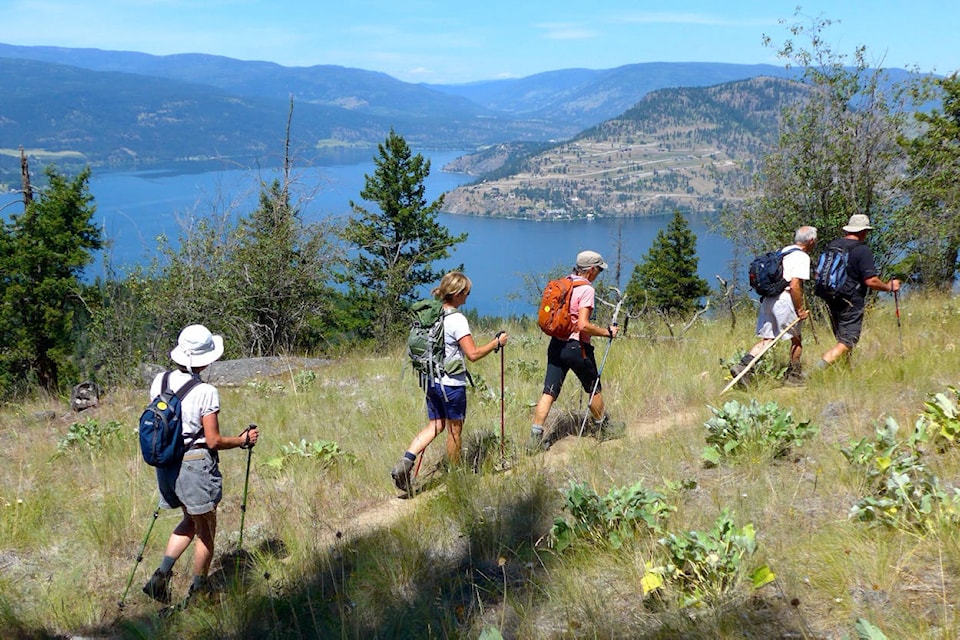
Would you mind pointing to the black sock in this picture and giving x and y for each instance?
(745, 360)
(166, 565)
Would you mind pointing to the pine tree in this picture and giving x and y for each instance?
(280, 272)
(43, 252)
(666, 278)
(398, 244)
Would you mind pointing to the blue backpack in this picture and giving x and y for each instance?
(831, 279)
(766, 273)
(161, 426)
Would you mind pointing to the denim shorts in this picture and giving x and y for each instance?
(195, 485)
(446, 402)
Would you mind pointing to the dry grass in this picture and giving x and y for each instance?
(335, 553)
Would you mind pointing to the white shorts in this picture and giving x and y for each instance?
(775, 314)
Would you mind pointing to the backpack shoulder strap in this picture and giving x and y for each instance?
(165, 382)
(187, 387)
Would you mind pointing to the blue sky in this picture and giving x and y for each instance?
(453, 41)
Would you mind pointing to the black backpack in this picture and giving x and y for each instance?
(831, 279)
(161, 426)
(766, 273)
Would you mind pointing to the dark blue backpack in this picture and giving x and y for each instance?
(161, 427)
(766, 273)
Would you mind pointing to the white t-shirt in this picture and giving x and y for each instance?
(455, 326)
(795, 265)
(202, 400)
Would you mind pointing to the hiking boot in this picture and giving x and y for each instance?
(401, 474)
(200, 588)
(158, 586)
(607, 429)
(737, 369)
(794, 376)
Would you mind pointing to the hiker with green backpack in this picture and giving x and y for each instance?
(443, 376)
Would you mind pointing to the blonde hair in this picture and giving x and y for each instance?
(451, 284)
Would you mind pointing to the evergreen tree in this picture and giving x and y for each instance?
(43, 252)
(280, 272)
(398, 244)
(667, 277)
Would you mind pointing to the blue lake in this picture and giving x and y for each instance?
(134, 208)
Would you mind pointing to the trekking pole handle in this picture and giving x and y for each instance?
(246, 432)
(616, 313)
(497, 338)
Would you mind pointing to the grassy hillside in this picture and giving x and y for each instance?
(335, 553)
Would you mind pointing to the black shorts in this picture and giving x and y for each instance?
(571, 355)
(846, 319)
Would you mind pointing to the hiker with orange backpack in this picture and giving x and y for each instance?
(570, 348)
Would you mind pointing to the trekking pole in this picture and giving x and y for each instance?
(153, 521)
(246, 485)
(896, 304)
(813, 325)
(596, 383)
(758, 356)
(502, 348)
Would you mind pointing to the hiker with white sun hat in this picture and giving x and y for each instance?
(195, 485)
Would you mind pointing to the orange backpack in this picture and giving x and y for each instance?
(554, 316)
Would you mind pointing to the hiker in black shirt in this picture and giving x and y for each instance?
(846, 312)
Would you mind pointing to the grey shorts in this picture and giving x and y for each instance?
(846, 320)
(195, 485)
(775, 315)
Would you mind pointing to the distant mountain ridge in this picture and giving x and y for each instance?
(127, 110)
(585, 97)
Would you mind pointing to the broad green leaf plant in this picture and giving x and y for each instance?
(753, 431)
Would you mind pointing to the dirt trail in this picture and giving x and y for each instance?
(391, 511)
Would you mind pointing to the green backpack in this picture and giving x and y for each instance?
(425, 346)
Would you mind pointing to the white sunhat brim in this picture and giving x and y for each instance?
(191, 361)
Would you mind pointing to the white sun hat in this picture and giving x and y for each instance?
(197, 347)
